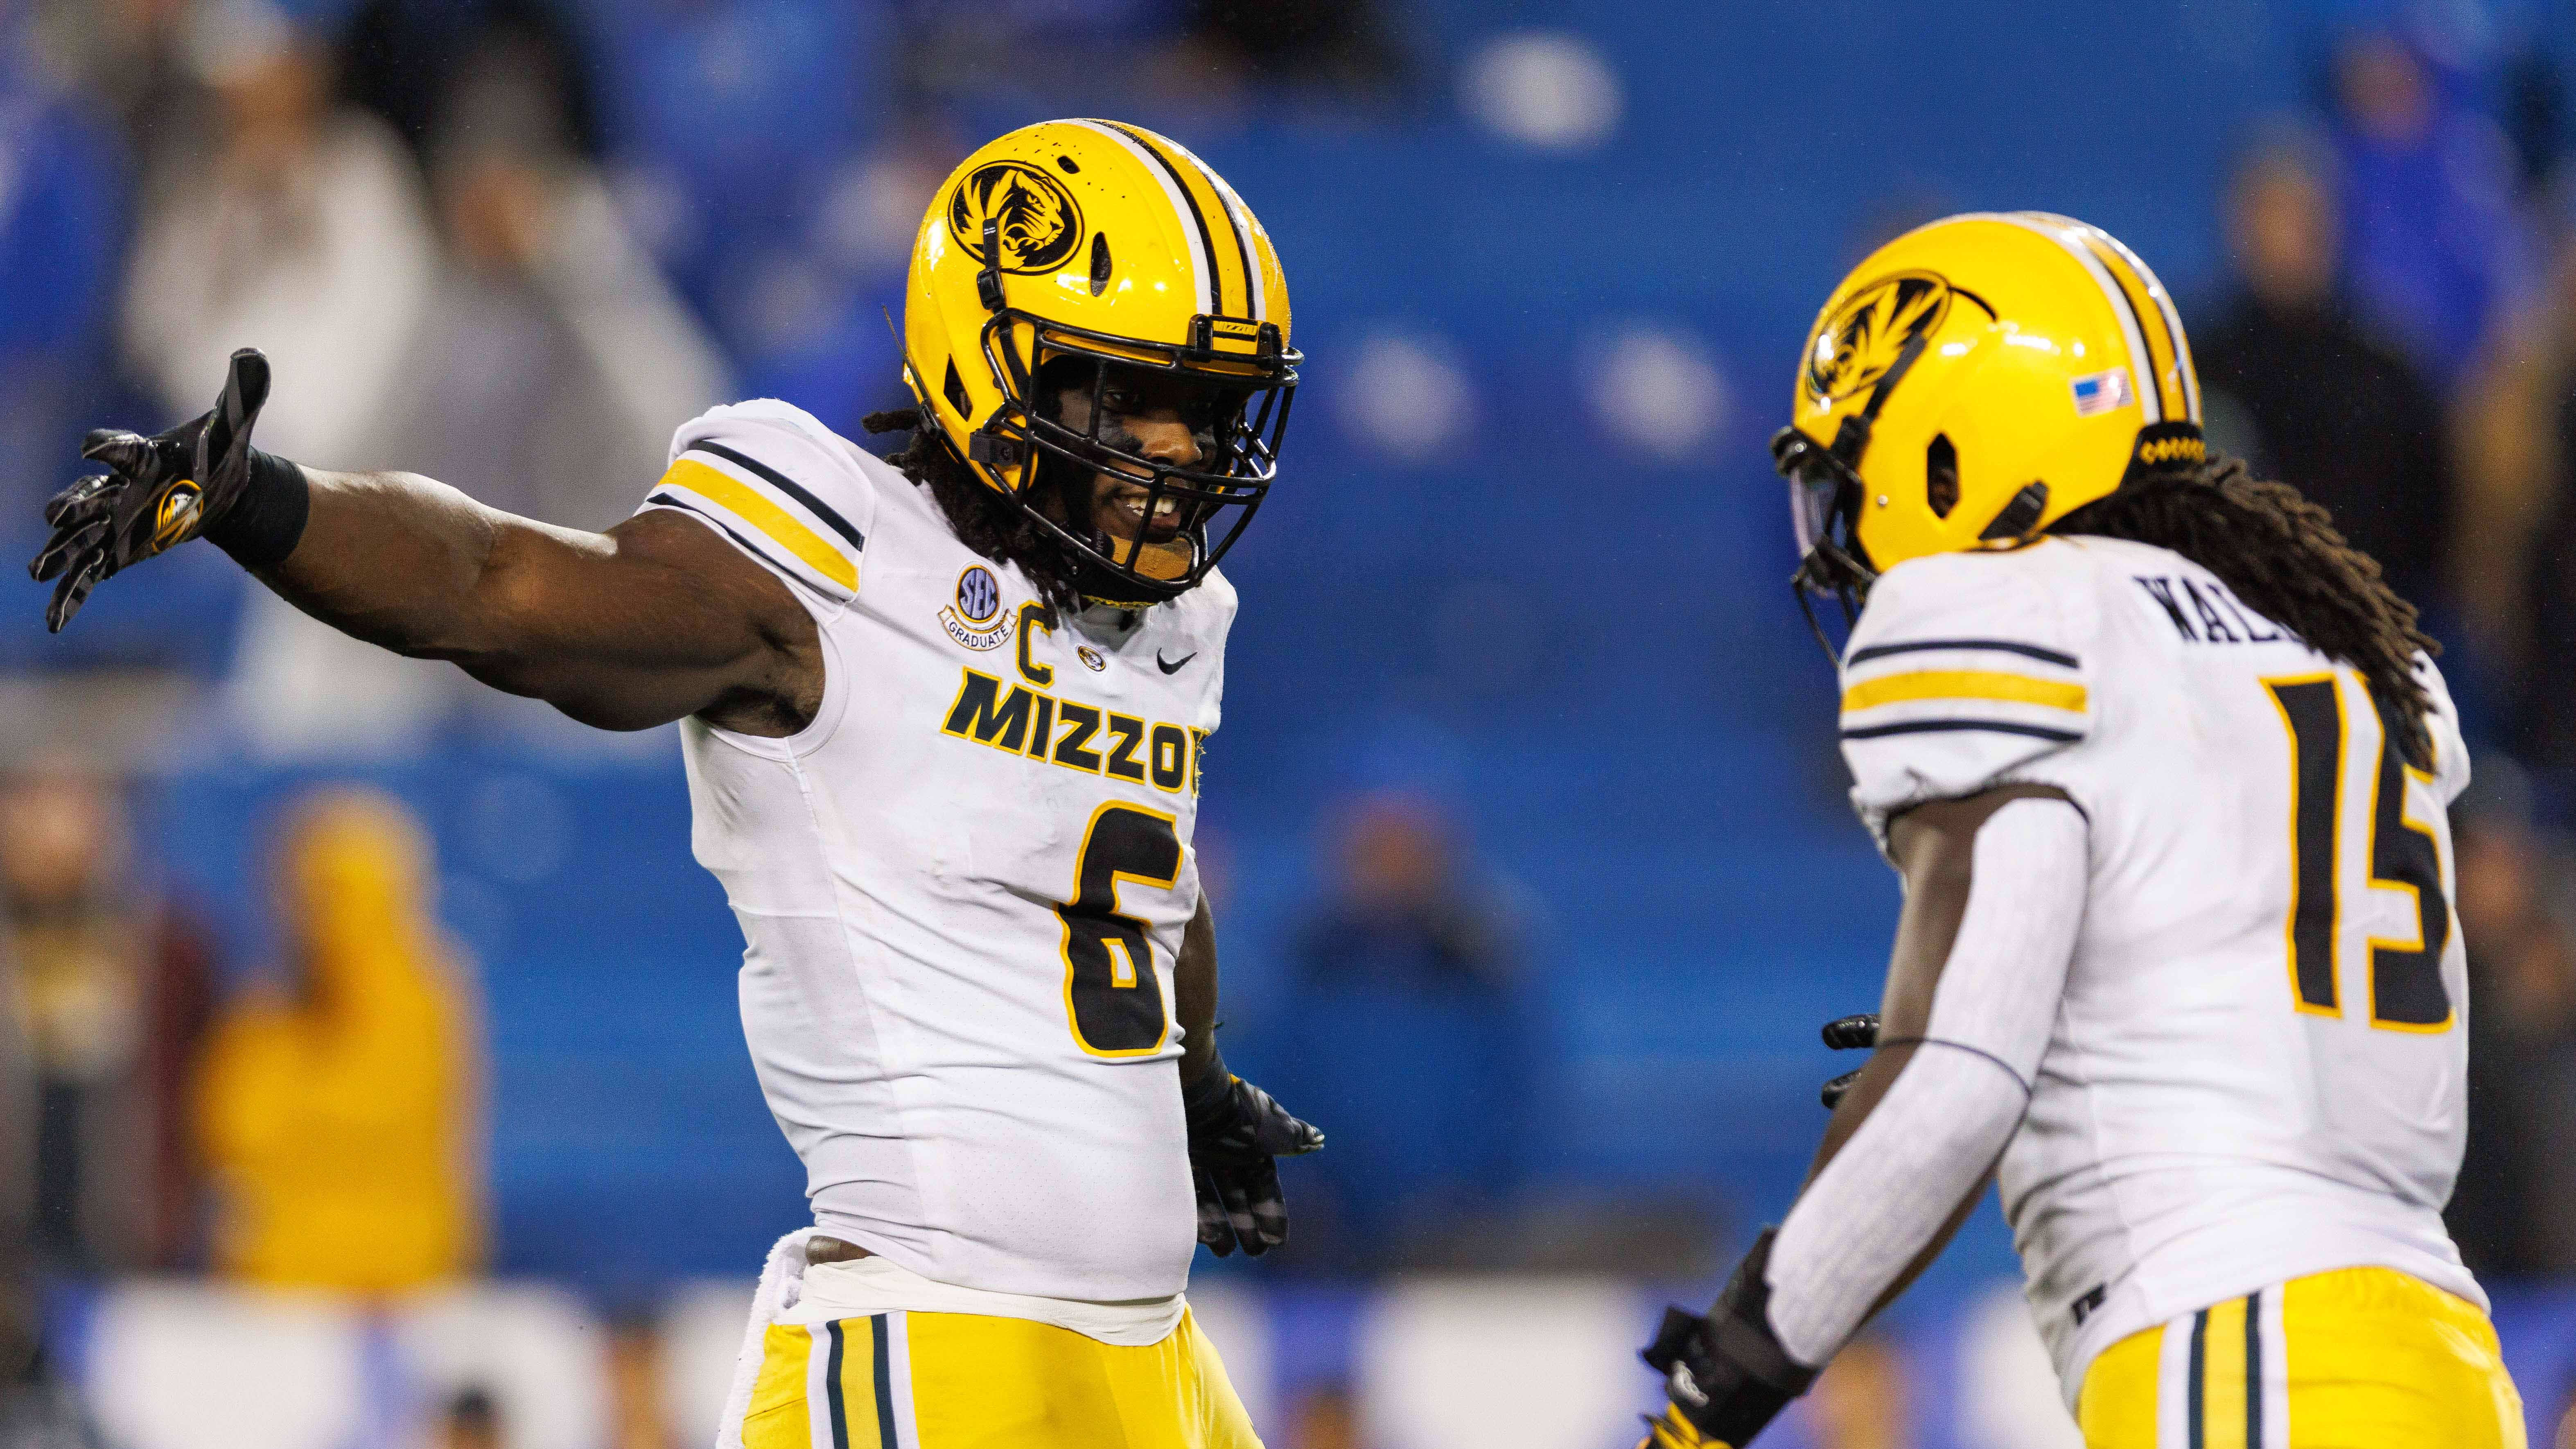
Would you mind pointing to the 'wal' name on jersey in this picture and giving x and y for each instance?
(2222, 619)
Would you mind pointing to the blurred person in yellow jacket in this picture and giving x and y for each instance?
(341, 1119)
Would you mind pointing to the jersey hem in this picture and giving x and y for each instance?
(836, 1291)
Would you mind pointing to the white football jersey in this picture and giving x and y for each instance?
(963, 885)
(2258, 1067)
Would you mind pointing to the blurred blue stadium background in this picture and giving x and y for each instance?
(1577, 637)
(1589, 648)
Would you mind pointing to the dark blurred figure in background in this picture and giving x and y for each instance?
(549, 326)
(1410, 1014)
(472, 1421)
(342, 1116)
(2514, 1213)
(1200, 55)
(2517, 554)
(2434, 244)
(110, 991)
(103, 1000)
(2301, 387)
(1346, 47)
(300, 223)
(508, 291)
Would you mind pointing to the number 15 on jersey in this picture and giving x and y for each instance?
(2401, 854)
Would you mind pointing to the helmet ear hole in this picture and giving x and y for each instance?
(1941, 475)
(1099, 262)
(954, 389)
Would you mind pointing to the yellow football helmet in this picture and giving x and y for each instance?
(1974, 381)
(1096, 240)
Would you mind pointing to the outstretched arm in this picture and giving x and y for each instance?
(655, 619)
(651, 621)
(1994, 895)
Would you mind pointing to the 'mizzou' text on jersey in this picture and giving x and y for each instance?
(1041, 726)
(2220, 619)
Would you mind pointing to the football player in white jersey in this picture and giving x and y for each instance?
(2163, 766)
(943, 719)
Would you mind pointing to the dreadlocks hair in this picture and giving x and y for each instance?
(984, 520)
(2281, 554)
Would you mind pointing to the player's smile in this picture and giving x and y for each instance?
(1146, 416)
(1122, 511)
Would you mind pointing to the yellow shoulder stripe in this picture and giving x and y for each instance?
(1963, 684)
(749, 505)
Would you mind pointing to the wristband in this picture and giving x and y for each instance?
(1728, 1373)
(1203, 1099)
(265, 523)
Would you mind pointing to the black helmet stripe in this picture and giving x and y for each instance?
(2172, 319)
(1207, 238)
(1242, 243)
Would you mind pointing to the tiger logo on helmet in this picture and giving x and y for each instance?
(1104, 242)
(1039, 225)
(1972, 382)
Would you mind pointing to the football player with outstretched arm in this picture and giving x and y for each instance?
(943, 716)
(2163, 765)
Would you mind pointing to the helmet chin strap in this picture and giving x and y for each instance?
(1852, 439)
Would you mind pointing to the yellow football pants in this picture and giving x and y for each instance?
(2360, 1358)
(960, 1381)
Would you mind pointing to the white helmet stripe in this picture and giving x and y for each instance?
(2142, 380)
(1253, 279)
(1254, 268)
(1201, 266)
(2173, 321)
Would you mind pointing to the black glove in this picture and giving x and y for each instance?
(1725, 1375)
(1235, 1132)
(1844, 1033)
(202, 477)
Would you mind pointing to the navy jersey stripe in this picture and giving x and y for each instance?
(786, 485)
(1992, 646)
(832, 1390)
(2195, 1397)
(1947, 726)
(2254, 1370)
(884, 1367)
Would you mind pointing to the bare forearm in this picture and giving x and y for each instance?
(404, 561)
(1194, 983)
(655, 619)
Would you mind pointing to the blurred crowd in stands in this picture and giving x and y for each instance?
(2400, 342)
(511, 243)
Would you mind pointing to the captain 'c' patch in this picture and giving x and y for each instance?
(1035, 217)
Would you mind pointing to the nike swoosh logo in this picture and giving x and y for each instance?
(1173, 666)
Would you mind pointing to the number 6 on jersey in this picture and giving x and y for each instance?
(1112, 995)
